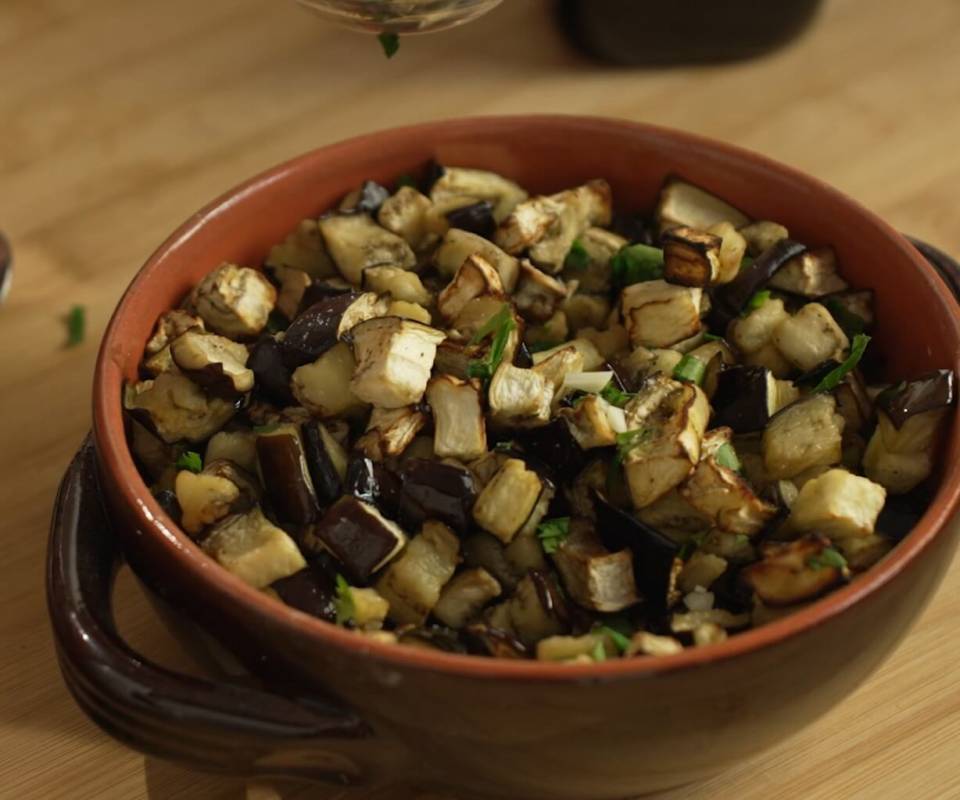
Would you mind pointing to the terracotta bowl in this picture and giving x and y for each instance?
(335, 706)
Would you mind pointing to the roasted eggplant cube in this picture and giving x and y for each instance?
(475, 277)
(311, 590)
(400, 284)
(271, 374)
(660, 314)
(837, 504)
(519, 397)
(811, 274)
(405, 214)
(323, 324)
(356, 242)
(464, 597)
(507, 501)
(358, 536)
(254, 549)
(436, 490)
(177, 409)
(394, 358)
(901, 458)
(413, 582)
(234, 301)
(810, 337)
(323, 387)
(535, 610)
(682, 203)
(792, 572)
(593, 576)
(804, 435)
(538, 295)
(746, 398)
(478, 184)
(326, 461)
(390, 431)
(214, 362)
(554, 446)
(303, 249)
(459, 425)
(457, 246)
(374, 483)
(726, 499)
(203, 499)
(286, 476)
(691, 257)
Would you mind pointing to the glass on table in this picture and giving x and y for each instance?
(399, 16)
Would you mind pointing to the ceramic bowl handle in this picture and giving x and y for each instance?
(947, 266)
(213, 725)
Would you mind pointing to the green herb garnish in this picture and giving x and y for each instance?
(344, 601)
(270, 427)
(614, 395)
(757, 300)
(745, 262)
(599, 652)
(76, 321)
(507, 446)
(635, 263)
(621, 641)
(726, 456)
(628, 440)
(832, 379)
(851, 323)
(828, 558)
(690, 369)
(689, 547)
(190, 460)
(500, 326)
(577, 258)
(712, 337)
(552, 532)
(390, 43)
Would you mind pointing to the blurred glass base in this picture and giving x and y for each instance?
(399, 16)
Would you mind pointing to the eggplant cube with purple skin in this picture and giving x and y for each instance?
(213, 361)
(394, 359)
(458, 245)
(683, 203)
(356, 242)
(177, 408)
(390, 431)
(475, 277)
(459, 425)
(660, 314)
(471, 185)
(234, 301)
(691, 257)
(594, 577)
(464, 596)
(286, 475)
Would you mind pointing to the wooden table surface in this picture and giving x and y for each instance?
(118, 118)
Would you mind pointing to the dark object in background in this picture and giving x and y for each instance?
(684, 31)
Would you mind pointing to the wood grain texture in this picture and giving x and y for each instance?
(118, 118)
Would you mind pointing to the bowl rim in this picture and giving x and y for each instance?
(115, 458)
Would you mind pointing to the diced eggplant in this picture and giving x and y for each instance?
(708, 633)
(733, 247)
(177, 409)
(390, 431)
(754, 331)
(154, 457)
(554, 446)
(692, 620)
(356, 242)
(538, 295)
(234, 301)
(464, 597)
(458, 245)
(323, 288)
(483, 551)
(810, 337)
(660, 314)
(375, 484)
(811, 274)
(432, 637)
(555, 368)
(852, 308)
(930, 392)
(358, 536)
(254, 549)
(311, 590)
(271, 374)
(666, 421)
(323, 324)
(248, 485)
(400, 284)
(326, 461)
(537, 609)
(519, 397)
(838, 504)
(413, 581)
(486, 640)
(405, 214)
(367, 199)
(803, 435)
(303, 249)
(238, 447)
(394, 358)
(476, 185)
(505, 503)
(576, 649)
(459, 425)
(656, 561)
(732, 298)
(592, 360)
(286, 476)
(476, 218)
(293, 285)
(701, 569)
(214, 362)
(475, 277)
(593, 576)
(170, 326)
(746, 398)
(644, 643)
(591, 424)
(792, 572)
(405, 310)
(586, 310)
(691, 257)
(436, 490)
(674, 516)
(762, 235)
(863, 552)
(323, 387)
(204, 499)
(682, 203)
(600, 245)
(853, 403)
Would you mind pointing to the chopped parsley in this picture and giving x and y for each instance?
(507, 446)
(828, 558)
(270, 427)
(190, 460)
(599, 652)
(690, 369)
(851, 323)
(832, 379)
(726, 456)
(500, 326)
(619, 639)
(390, 43)
(635, 263)
(745, 262)
(757, 300)
(76, 321)
(539, 347)
(552, 532)
(628, 440)
(614, 395)
(712, 337)
(344, 601)
(577, 258)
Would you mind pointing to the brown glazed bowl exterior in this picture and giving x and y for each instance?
(528, 729)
